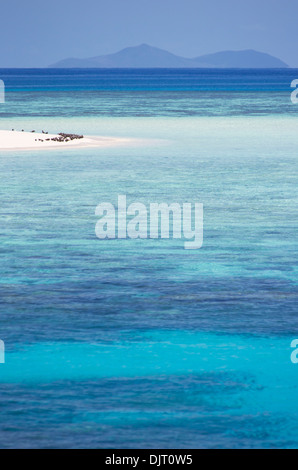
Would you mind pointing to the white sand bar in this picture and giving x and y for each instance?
(13, 140)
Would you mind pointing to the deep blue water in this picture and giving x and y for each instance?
(148, 79)
(122, 343)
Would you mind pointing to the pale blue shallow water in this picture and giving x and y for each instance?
(122, 343)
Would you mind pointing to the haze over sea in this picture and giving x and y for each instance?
(140, 343)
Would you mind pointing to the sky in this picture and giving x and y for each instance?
(37, 34)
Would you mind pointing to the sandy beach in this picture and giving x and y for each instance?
(15, 140)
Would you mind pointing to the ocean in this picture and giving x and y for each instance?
(140, 343)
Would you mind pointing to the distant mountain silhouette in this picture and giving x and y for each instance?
(240, 59)
(145, 56)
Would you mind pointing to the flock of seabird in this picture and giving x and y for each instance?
(62, 137)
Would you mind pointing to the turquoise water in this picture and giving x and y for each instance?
(140, 343)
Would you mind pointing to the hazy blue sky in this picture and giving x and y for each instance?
(35, 33)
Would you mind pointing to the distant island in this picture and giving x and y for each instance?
(145, 56)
